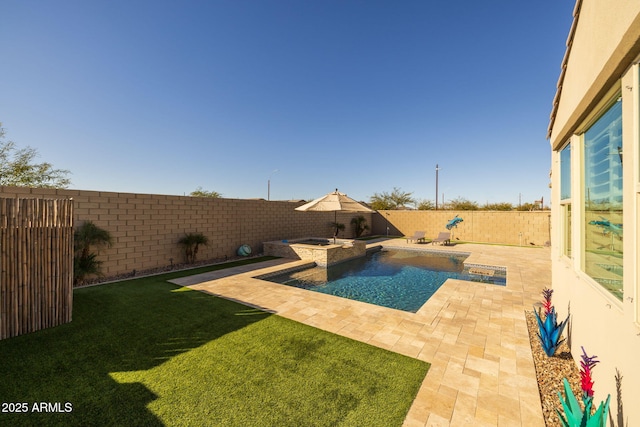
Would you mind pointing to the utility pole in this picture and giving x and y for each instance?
(437, 169)
(269, 185)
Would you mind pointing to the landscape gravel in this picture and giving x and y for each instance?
(550, 371)
(99, 280)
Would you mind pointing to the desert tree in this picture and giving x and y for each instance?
(425, 205)
(18, 167)
(462, 204)
(199, 192)
(500, 206)
(397, 199)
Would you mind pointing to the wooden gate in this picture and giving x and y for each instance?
(36, 264)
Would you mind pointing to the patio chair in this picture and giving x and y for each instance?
(444, 238)
(418, 236)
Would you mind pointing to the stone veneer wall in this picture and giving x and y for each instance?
(146, 227)
(505, 227)
(324, 256)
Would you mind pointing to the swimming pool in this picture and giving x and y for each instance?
(400, 279)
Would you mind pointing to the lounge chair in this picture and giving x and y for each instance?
(418, 236)
(444, 238)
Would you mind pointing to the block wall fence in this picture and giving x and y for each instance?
(505, 227)
(146, 227)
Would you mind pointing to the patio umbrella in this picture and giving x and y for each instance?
(334, 202)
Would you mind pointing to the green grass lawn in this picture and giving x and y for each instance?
(146, 352)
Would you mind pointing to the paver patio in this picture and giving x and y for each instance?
(474, 335)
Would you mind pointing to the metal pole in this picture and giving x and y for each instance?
(269, 184)
(437, 169)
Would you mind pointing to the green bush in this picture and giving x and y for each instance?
(85, 262)
(190, 243)
(360, 225)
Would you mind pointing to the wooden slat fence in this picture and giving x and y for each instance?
(36, 264)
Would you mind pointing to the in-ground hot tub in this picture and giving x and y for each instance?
(313, 241)
(324, 252)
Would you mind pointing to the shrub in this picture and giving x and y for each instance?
(190, 243)
(338, 228)
(85, 262)
(359, 224)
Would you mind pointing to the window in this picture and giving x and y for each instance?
(602, 240)
(565, 198)
(565, 173)
(566, 219)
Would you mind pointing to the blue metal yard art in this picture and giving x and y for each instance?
(574, 415)
(607, 226)
(454, 222)
(549, 331)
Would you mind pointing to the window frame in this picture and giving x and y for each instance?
(566, 244)
(614, 96)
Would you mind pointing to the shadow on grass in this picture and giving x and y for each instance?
(125, 326)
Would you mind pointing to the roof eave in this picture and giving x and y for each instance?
(563, 68)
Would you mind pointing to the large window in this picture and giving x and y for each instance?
(602, 242)
(565, 198)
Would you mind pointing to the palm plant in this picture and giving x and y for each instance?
(359, 224)
(338, 228)
(190, 243)
(85, 262)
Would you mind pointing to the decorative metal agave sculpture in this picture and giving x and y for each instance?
(549, 331)
(574, 416)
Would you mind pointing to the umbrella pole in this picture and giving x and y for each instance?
(335, 223)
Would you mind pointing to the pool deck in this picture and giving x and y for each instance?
(474, 335)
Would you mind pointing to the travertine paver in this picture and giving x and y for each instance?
(474, 335)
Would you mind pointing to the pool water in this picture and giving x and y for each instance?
(315, 242)
(399, 279)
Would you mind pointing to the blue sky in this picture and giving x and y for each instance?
(166, 96)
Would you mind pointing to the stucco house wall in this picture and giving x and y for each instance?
(599, 70)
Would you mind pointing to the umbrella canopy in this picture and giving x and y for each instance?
(334, 202)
